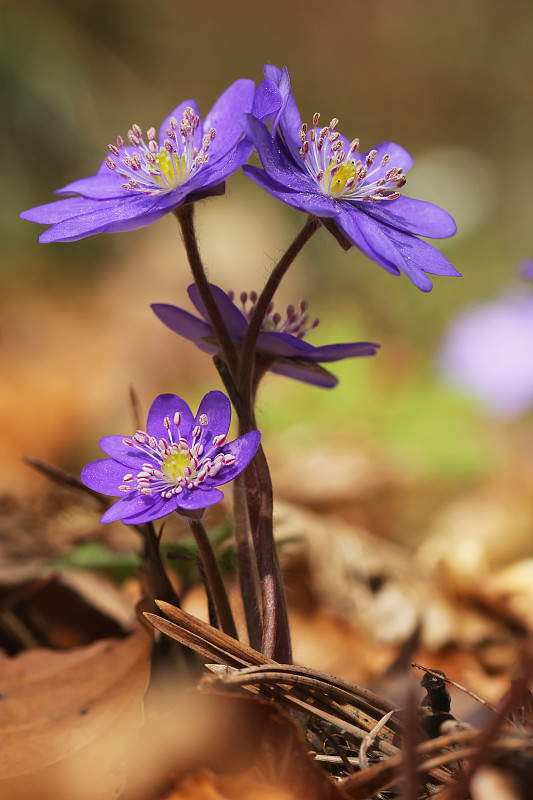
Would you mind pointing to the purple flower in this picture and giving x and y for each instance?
(357, 197)
(525, 269)
(280, 347)
(177, 463)
(488, 353)
(139, 182)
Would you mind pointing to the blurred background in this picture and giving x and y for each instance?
(394, 444)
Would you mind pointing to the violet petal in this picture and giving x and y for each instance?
(185, 324)
(232, 316)
(305, 371)
(166, 405)
(224, 116)
(104, 475)
(307, 199)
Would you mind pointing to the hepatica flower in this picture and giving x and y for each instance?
(177, 463)
(280, 345)
(150, 174)
(357, 196)
(488, 353)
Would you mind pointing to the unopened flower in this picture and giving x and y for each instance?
(177, 463)
(488, 353)
(151, 174)
(358, 197)
(280, 345)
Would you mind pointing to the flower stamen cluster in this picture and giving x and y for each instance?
(154, 169)
(336, 171)
(295, 322)
(176, 464)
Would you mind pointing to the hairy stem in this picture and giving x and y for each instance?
(276, 637)
(312, 224)
(247, 567)
(157, 579)
(214, 578)
(185, 216)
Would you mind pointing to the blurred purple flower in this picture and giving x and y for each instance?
(525, 269)
(358, 200)
(177, 463)
(279, 346)
(488, 353)
(139, 182)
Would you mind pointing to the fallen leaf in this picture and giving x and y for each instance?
(221, 747)
(69, 718)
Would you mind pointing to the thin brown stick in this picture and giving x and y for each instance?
(63, 478)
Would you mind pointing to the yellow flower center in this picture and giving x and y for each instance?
(174, 465)
(340, 177)
(173, 168)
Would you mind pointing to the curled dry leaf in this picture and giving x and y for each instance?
(69, 718)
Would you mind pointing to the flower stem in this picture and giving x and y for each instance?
(214, 578)
(247, 568)
(275, 630)
(312, 224)
(157, 579)
(246, 565)
(276, 636)
(185, 216)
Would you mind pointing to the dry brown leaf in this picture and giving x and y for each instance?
(221, 747)
(69, 718)
(60, 609)
(361, 578)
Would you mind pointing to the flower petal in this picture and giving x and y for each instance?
(217, 408)
(128, 457)
(133, 504)
(217, 171)
(369, 238)
(395, 251)
(178, 115)
(267, 101)
(104, 476)
(336, 352)
(233, 318)
(412, 216)
(186, 325)
(60, 210)
(244, 449)
(419, 255)
(109, 216)
(154, 508)
(274, 158)
(99, 187)
(224, 116)
(199, 498)
(166, 405)
(305, 371)
(275, 343)
(399, 158)
(288, 119)
(307, 199)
